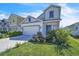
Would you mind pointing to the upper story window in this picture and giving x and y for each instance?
(51, 14)
(29, 19)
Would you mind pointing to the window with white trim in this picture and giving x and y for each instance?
(51, 14)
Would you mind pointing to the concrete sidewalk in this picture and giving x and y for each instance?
(8, 43)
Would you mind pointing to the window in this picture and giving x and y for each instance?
(29, 19)
(76, 28)
(48, 28)
(4, 23)
(51, 14)
(13, 20)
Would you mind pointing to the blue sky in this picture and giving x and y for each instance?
(69, 12)
(9, 8)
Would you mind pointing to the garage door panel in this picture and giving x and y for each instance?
(30, 30)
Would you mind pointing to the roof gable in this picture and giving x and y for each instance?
(42, 16)
(33, 19)
(15, 17)
(55, 6)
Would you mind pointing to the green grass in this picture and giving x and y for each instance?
(43, 49)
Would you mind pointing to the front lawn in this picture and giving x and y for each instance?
(43, 49)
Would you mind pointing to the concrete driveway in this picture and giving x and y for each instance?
(22, 37)
(8, 43)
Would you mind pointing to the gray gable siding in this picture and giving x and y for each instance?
(55, 9)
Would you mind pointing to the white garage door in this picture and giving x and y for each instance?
(30, 30)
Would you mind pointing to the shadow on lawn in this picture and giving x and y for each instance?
(60, 49)
(40, 42)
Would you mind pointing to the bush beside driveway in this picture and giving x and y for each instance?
(9, 34)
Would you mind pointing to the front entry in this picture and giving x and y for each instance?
(48, 28)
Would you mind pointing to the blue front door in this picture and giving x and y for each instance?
(48, 28)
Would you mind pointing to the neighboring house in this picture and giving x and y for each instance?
(15, 22)
(74, 29)
(4, 25)
(48, 20)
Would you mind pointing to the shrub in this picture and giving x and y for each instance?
(3, 35)
(0, 36)
(3, 32)
(15, 33)
(10, 34)
(59, 37)
(38, 37)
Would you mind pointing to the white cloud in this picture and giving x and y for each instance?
(3, 16)
(67, 22)
(34, 14)
(69, 15)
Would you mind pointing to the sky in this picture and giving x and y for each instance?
(69, 11)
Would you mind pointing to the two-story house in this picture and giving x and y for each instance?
(48, 20)
(15, 22)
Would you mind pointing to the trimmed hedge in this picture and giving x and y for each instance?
(10, 34)
(15, 33)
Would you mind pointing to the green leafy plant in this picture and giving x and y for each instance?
(10, 34)
(15, 33)
(59, 37)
